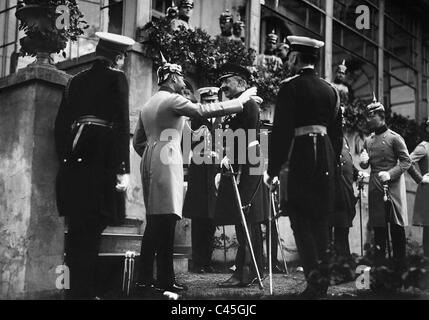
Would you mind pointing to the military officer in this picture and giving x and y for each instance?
(387, 155)
(233, 83)
(269, 59)
(282, 51)
(307, 135)
(157, 139)
(201, 195)
(92, 132)
(345, 204)
(420, 158)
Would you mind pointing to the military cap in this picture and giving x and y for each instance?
(111, 43)
(342, 67)
(166, 69)
(272, 37)
(229, 70)
(185, 3)
(226, 16)
(208, 93)
(375, 106)
(305, 45)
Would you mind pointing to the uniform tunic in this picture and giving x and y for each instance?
(387, 152)
(311, 182)
(420, 157)
(87, 177)
(345, 209)
(251, 185)
(200, 197)
(158, 137)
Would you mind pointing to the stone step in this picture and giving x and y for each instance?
(181, 261)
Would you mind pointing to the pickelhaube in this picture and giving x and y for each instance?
(272, 37)
(185, 3)
(375, 106)
(226, 16)
(342, 67)
(283, 44)
(166, 69)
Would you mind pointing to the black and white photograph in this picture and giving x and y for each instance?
(215, 156)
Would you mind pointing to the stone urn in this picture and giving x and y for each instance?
(41, 40)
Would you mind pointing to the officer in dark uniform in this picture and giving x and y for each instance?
(234, 82)
(92, 133)
(307, 135)
(200, 197)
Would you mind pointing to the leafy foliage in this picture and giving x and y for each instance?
(202, 56)
(49, 38)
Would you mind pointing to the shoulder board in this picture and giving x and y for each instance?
(289, 79)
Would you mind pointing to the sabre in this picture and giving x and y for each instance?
(387, 218)
(270, 253)
(360, 188)
(280, 243)
(244, 222)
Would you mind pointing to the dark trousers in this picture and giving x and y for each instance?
(158, 240)
(202, 233)
(312, 239)
(426, 241)
(245, 271)
(340, 240)
(398, 245)
(274, 242)
(82, 247)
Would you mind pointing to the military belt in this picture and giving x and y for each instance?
(88, 121)
(310, 130)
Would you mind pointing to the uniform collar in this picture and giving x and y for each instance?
(380, 130)
(307, 70)
(165, 88)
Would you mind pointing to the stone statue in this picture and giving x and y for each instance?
(181, 14)
(237, 31)
(341, 84)
(226, 25)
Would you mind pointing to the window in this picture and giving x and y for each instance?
(8, 37)
(101, 15)
(159, 8)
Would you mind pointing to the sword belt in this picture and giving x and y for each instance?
(88, 121)
(310, 130)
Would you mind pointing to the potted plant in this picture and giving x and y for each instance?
(46, 29)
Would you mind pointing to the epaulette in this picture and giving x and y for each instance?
(289, 79)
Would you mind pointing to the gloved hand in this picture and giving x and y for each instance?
(258, 99)
(270, 182)
(247, 95)
(425, 179)
(225, 163)
(364, 157)
(384, 176)
(122, 182)
(217, 181)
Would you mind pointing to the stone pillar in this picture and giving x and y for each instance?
(328, 39)
(254, 24)
(31, 232)
(381, 12)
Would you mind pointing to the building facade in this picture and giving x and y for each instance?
(389, 56)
